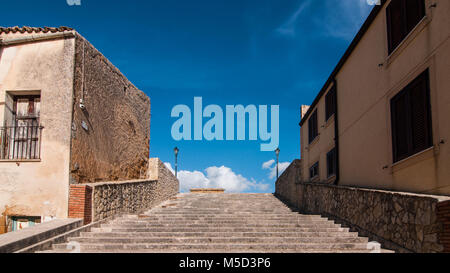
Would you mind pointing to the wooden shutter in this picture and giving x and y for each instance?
(402, 16)
(400, 126)
(331, 163)
(411, 119)
(312, 126)
(330, 103)
(415, 11)
(396, 23)
(420, 114)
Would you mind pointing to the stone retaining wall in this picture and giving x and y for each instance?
(113, 198)
(403, 222)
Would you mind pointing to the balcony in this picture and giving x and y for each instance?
(20, 143)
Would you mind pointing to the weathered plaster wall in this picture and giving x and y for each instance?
(400, 221)
(39, 188)
(112, 198)
(115, 146)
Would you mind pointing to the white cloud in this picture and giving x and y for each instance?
(288, 28)
(331, 18)
(270, 165)
(342, 18)
(217, 177)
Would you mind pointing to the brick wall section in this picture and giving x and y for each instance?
(80, 203)
(404, 222)
(444, 218)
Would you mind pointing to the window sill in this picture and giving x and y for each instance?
(315, 179)
(329, 121)
(331, 178)
(19, 160)
(314, 141)
(408, 39)
(414, 159)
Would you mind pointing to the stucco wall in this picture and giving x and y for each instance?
(365, 85)
(400, 221)
(39, 188)
(115, 146)
(112, 198)
(317, 150)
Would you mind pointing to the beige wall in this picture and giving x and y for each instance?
(39, 188)
(364, 93)
(317, 150)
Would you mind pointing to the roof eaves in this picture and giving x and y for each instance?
(373, 14)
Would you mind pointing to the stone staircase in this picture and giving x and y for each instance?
(224, 223)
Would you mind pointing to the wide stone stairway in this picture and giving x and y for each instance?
(232, 223)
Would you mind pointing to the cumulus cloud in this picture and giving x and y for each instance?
(272, 167)
(217, 177)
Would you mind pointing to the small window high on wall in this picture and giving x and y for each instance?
(330, 103)
(313, 130)
(411, 119)
(402, 17)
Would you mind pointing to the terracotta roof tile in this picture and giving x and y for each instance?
(26, 29)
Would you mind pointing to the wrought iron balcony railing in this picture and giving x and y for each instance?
(20, 142)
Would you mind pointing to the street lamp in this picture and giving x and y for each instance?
(176, 150)
(277, 152)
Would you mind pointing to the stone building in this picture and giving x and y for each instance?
(381, 120)
(67, 116)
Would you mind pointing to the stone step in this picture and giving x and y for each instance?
(218, 221)
(220, 229)
(215, 234)
(203, 247)
(220, 240)
(226, 215)
(222, 224)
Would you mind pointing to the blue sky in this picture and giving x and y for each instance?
(261, 52)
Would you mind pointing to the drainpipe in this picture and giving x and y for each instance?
(336, 131)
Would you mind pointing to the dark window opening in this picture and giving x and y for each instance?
(331, 163)
(402, 17)
(20, 137)
(313, 131)
(314, 170)
(411, 119)
(330, 104)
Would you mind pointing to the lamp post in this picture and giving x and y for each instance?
(277, 152)
(176, 150)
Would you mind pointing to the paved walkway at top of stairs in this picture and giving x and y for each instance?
(223, 223)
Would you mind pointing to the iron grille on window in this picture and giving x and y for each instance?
(20, 142)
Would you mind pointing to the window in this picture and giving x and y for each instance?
(19, 223)
(20, 137)
(330, 103)
(411, 119)
(312, 127)
(314, 170)
(331, 163)
(402, 17)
